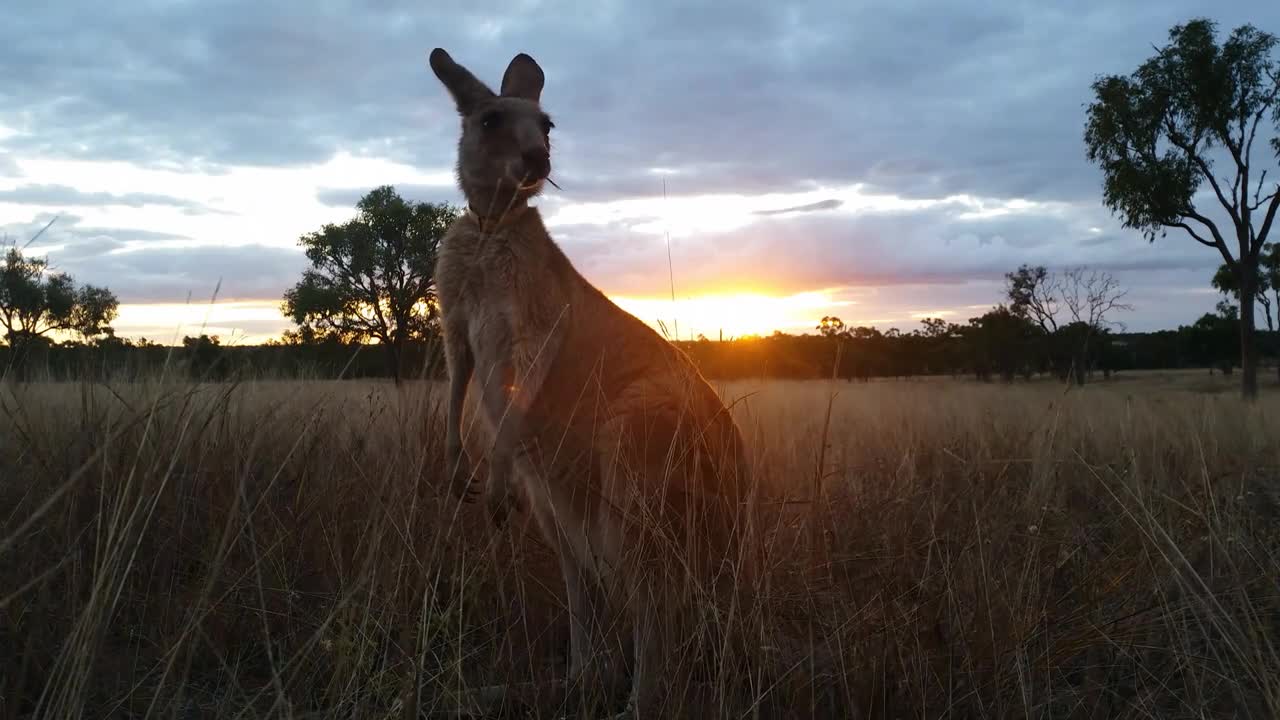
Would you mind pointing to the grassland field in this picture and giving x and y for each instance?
(950, 549)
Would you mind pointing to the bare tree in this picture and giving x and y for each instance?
(1072, 306)
(1091, 295)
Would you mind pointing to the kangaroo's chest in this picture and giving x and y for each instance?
(497, 290)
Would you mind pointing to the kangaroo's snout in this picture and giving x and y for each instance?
(537, 164)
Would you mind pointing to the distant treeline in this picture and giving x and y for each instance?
(996, 346)
(910, 355)
(205, 358)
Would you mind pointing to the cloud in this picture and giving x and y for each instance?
(348, 197)
(690, 179)
(778, 105)
(147, 266)
(166, 274)
(63, 195)
(769, 95)
(831, 204)
(67, 239)
(793, 253)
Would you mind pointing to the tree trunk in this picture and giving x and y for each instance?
(1248, 339)
(393, 359)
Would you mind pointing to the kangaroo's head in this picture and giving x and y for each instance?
(504, 155)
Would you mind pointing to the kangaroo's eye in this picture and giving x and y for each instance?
(491, 120)
(547, 125)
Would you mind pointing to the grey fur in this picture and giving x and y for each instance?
(630, 464)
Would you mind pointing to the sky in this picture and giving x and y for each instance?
(882, 162)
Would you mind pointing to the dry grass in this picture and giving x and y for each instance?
(282, 549)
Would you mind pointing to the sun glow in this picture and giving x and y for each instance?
(733, 314)
(236, 322)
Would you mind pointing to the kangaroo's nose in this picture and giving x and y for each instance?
(537, 164)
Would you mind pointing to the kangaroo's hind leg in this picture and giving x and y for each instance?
(595, 640)
(561, 506)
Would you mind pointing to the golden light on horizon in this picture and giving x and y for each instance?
(169, 322)
(734, 314)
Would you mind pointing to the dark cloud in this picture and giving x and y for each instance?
(62, 195)
(914, 98)
(831, 204)
(176, 273)
(73, 242)
(148, 266)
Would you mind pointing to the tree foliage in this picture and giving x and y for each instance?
(1034, 294)
(831, 326)
(1266, 279)
(372, 278)
(1208, 339)
(35, 302)
(1161, 134)
(1000, 342)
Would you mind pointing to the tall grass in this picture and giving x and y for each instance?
(938, 549)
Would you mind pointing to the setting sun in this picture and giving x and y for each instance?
(733, 314)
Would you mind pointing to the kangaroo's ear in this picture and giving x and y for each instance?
(523, 79)
(466, 90)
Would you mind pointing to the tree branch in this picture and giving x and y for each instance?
(1257, 199)
(1192, 232)
(1191, 151)
(1261, 237)
(1262, 111)
(1239, 196)
(1219, 242)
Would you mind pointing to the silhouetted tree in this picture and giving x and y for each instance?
(35, 303)
(999, 342)
(939, 339)
(833, 329)
(1084, 298)
(1268, 279)
(1035, 294)
(831, 326)
(868, 352)
(1224, 281)
(1090, 296)
(1157, 134)
(372, 278)
(203, 355)
(1209, 340)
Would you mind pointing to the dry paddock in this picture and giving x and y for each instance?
(939, 549)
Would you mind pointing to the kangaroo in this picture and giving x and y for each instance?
(631, 466)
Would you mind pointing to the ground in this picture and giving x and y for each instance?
(939, 548)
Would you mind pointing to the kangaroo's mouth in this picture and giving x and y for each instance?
(526, 182)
